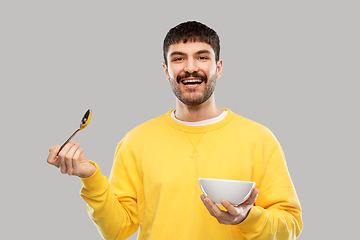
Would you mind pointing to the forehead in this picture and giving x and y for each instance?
(190, 48)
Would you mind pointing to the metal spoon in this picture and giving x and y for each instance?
(83, 124)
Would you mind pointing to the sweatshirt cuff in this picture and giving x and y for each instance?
(255, 221)
(94, 184)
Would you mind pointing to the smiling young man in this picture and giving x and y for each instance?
(153, 183)
(192, 69)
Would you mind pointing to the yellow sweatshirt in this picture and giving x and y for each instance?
(153, 183)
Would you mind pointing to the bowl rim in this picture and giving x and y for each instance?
(224, 180)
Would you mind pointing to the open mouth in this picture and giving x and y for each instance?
(189, 82)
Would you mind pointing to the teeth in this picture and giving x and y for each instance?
(192, 81)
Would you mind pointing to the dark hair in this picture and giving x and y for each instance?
(192, 31)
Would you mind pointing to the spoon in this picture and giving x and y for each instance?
(83, 124)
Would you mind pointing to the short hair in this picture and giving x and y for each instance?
(192, 31)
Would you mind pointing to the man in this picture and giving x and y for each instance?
(153, 182)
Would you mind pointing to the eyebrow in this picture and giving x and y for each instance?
(197, 53)
(202, 52)
(177, 53)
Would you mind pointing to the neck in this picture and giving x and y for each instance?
(201, 112)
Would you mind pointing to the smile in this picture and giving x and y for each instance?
(191, 81)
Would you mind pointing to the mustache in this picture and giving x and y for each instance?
(194, 75)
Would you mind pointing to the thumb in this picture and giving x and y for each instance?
(252, 199)
(52, 158)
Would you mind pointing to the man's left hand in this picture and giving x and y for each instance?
(233, 215)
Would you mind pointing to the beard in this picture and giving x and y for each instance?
(192, 97)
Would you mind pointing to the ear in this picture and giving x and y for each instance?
(219, 68)
(166, 71)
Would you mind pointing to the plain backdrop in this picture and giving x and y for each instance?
(292, 66)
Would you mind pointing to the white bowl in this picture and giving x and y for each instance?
(236, 192)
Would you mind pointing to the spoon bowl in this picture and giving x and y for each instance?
(83, 124)
(85, 120)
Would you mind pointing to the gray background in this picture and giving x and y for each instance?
(290, 65)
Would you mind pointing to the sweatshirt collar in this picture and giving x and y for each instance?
(198, 129)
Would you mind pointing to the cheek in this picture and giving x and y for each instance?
(173, 72)
(213, 69)
(208, 69)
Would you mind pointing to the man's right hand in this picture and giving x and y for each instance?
(71, 160)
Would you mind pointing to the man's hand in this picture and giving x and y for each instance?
(70, 160)
(233, 215)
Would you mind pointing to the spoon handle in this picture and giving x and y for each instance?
(68, 140)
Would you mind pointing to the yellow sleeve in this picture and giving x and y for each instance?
(277, 211)
(114, 219)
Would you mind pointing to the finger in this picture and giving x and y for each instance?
(202, 198)
(252, 199)
(76, 162)
(69, 158)
(230, 208)
(62, 155)
(207, 205)
(52, 158)
(217, 212)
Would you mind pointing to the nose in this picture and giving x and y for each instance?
(191, 66)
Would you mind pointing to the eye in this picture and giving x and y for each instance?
(177, 59)
(203, 58)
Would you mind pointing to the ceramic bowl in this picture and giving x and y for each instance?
(236, 192)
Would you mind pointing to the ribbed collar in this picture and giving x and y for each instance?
(199, 129)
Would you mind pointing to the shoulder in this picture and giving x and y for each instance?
(141, 134)
(147, 129)
(251, 128)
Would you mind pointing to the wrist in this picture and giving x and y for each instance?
(244, 217)
(90, 171)
(94, 183)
